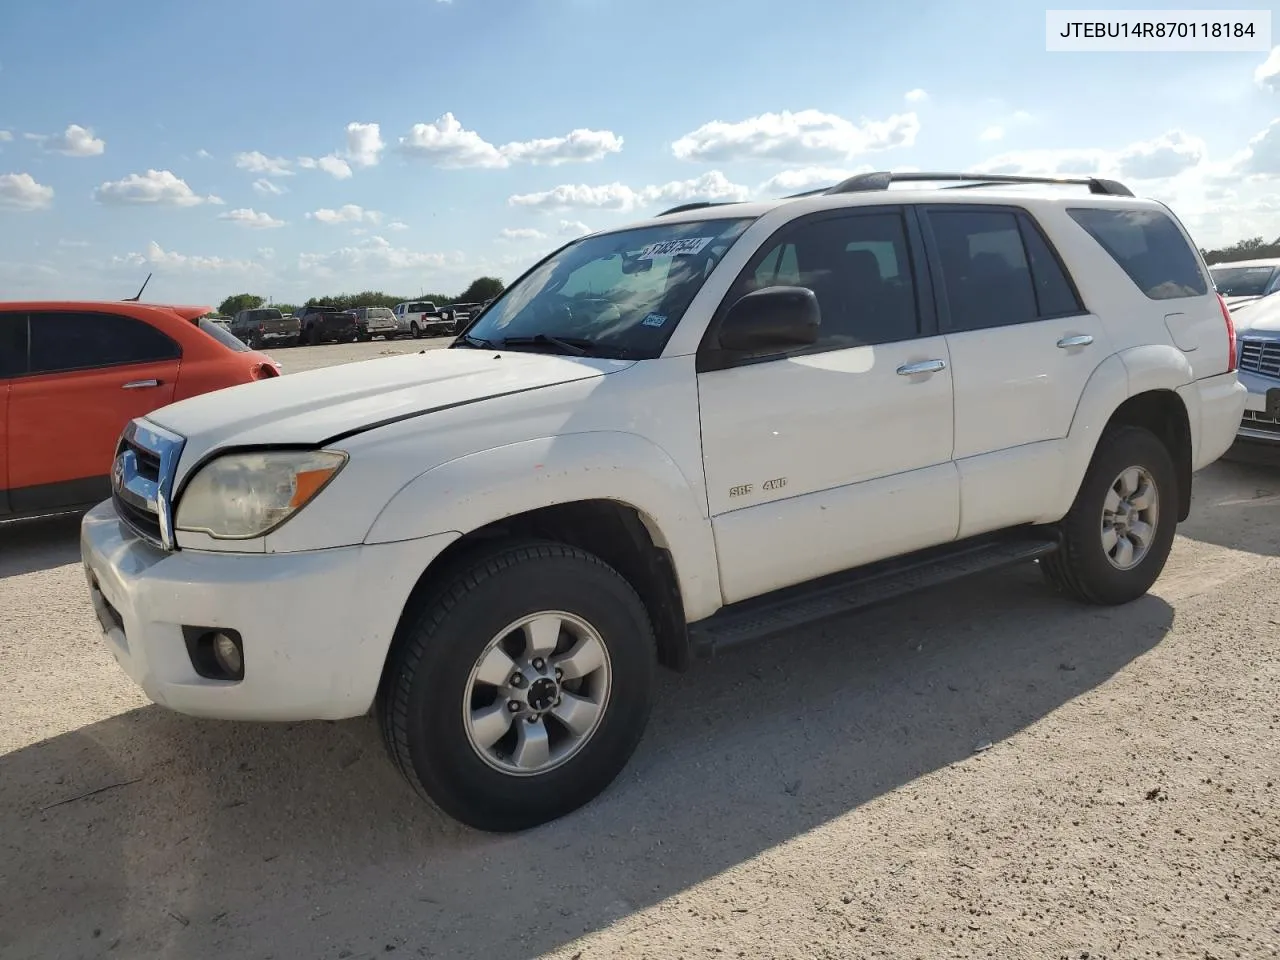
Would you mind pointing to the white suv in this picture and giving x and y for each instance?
(715, 425)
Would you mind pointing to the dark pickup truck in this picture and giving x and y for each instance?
(323, 323)
(263, 326)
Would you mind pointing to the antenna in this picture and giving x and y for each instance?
(139, 296)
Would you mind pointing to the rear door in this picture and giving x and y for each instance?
(13, 363)
(88, 375)
(1022, 347)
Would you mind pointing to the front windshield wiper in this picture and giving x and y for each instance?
(476, 343)
(574, 346)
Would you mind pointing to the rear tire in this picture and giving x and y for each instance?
(1118, 533)
(455, 717)
(415, 331)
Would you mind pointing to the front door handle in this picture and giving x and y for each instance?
(1083, 340)
(921, 366)
(140, 384)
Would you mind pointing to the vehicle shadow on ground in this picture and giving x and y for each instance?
(1236, 505)
(304, 830)
(28, 546)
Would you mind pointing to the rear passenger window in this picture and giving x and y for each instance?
(985, 270)
(1055, 293)
(81, 341)
(1149, 248)
(13, 344)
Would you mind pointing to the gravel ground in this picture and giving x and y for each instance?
(992, 773)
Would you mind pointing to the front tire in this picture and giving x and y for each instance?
(519, 691)
(1118, 533)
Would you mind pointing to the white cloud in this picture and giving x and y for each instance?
(916, 96)
(618, 196)
(75, 141)
(159, 187)
(397, 225)
(521, 233)
(347, 213)
(807, 135)
(204, 154)
(579, 146)
(448, 144)
(256, 162)
(265, 186)
(806, 178)
(364, 144)
(993, 132)
(156, 256)
(249, 217)
(73, 244)
(376, 253)
(1159, 158)
(5, 136)
(20, 191)
(1267, 75)
(573, 228)
(332, 164)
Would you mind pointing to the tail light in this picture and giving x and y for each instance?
(264, 371)
(1231, 334)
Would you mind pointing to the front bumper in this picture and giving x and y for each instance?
(1257, 425)
(316, 625)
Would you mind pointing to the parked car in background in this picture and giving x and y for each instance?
(377, 322)
(422, 318)
(459, 315)
(265, 326)
(327, 324)
(1258, 366)
(1244, 281)
(73, 374)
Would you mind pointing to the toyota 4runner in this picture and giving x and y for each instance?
(715, 425)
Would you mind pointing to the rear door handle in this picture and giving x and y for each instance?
(1083, 340)
(140, 384)
(921, 366)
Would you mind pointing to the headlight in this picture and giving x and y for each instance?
(240, 496)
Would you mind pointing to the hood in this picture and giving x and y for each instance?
(317, 405)
(1260, 317)
(1234, 302)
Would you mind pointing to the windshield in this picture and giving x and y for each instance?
(380, 313)
(221, 334)
(1242, 281)
(615, 294)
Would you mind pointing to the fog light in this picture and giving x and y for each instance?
(227, 653)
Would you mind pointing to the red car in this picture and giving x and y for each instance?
(73, 374)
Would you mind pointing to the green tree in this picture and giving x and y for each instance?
(1255, 248)
(240, 301)
(481, 289)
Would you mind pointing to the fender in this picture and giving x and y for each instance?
(1121, 376)
(469, 492)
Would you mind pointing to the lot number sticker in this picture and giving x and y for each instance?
(672, 248)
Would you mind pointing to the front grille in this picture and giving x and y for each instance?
(1260, 356)
(1258, 420)
(142, 481)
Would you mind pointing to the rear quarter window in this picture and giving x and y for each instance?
(1148, 246)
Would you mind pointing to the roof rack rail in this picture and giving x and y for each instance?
(696, 205)
(881, 180)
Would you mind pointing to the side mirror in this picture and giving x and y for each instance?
(772, 319)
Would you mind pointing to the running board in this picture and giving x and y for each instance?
(832, 596)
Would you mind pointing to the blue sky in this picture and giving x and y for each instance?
(295, 149)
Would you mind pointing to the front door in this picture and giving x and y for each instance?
(88, 375)
(838, 454)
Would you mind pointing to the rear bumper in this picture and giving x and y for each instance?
(1214, 408)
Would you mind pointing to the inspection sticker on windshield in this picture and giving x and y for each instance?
(673, 248)
(653, 320)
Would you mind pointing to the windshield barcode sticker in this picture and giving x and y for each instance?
(673, 248)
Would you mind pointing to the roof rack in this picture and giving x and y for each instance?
(881, 180)
(697, 205)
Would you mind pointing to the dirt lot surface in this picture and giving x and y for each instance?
(988, 772)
